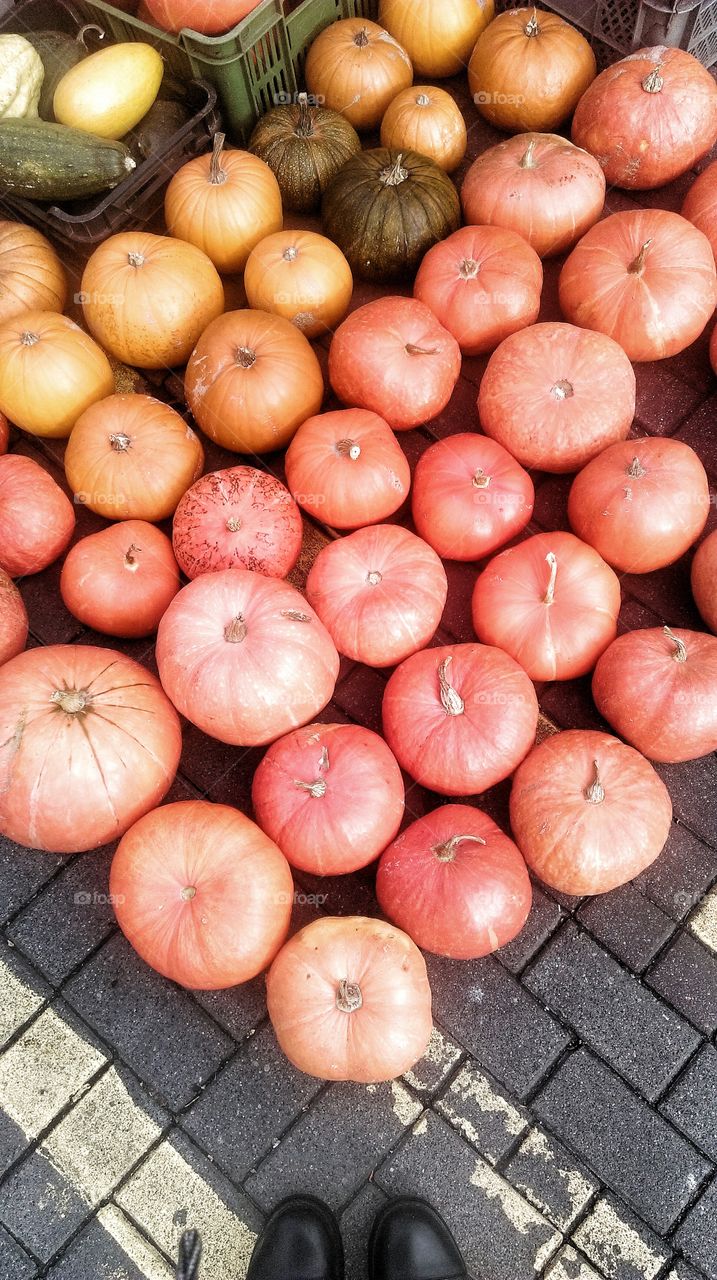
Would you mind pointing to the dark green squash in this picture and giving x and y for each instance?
(59, 52)
(304, 146)
(154, 133)
(386, 208)
(41, 161)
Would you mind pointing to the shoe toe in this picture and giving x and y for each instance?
(411, 1241)
(300, 1242)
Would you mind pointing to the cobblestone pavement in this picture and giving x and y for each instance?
(564, 1118)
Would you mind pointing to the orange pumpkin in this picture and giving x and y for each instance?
(301, 276)
(700, 207)
(131, 457)
(224, 203)
(50, 372)
(251, 380)
(529, 70)
(438, 37)
(357, 68)
(32, 278)
(427, 120)
(147, 298)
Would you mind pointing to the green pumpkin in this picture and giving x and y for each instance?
(386, 208)
(305, 147)
(59, 52)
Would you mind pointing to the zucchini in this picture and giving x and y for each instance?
(40, 161)
(58, 52)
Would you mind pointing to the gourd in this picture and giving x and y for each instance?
(304, 146)
(109, 92)
(41, 161)
(154, 133)
(58, 52)
(21, 75)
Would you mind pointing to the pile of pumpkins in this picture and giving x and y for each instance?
(90, 740)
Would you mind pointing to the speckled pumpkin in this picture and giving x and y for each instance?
(304, 146)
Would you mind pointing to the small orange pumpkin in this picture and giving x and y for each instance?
(357, 68)
(428, 120)
(302, 276)
(438, 37)
(50, 372)
(32, 278)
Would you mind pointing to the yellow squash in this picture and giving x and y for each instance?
(111, 91)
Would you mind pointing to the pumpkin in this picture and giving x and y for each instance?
(109, 92)
(21, 76)
(32, 278)
(538, 185)
(4, 434)
(641, 504)
(713, 351)
(385, 208)
(120, 581)
(347, 469)
(470, 496)
(147, 298)
(301, 276)
(111, 458)
(392, 356)
(357, 68)
(455, 883)
(482, 283)
(112, 737)
(551, 602)
(703, 578)
(330, 795)
(37, 520)
(304, 146)
(459, 718)
(349, 999)
(644, 277)
(588, 813)
(50, 372)
(648, 118)
(13, 620)
(251, 380)
(555, 396)
(202, 894)
(240, 518)
(244, 657)
(438, 38)
(427, 120)
(700, 205)
(379, 592)
(224, 203)
(657, 688)
(529, 70)
(209, 18)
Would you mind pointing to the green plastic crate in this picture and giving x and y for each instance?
(256, 65)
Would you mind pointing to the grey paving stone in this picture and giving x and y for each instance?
(336, 1143)
(22, 872)
(79, 897)
(14, 1262)
(692, 784)
(691, 1104)
(110, 1248)
(677, 880)
(697, 1236)
(570, 1265)
(356, 1222)
(624, 1143)
(13, 1141)
(551, 1178)
(242, 1113)
(40, 1206)
(619, 1244)
(433, 1069)
(23, 991)
(239, 1010)
(483, 1112)
(502, 1236)
(686, 975)
(628, 923)
(487, 1011)
(629, 1027)
(158, 1029)
(682, 1270)
(545, 916)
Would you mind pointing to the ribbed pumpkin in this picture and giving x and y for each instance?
(700, 207)
(304, 146)
(438, 36)
(386, 208)
(529, 70)
(50, 372)
(32, 278)
(301, 276)
(356, 67)
(427, 120)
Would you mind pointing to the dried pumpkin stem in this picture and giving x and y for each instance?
(28, 339)
(217, 175)
(637, 266)
(562, 390)
(595, 793)
(120, 442)
(653, 82)
(361, 38)
(348, 449)
(480, 479)
(72, 701)
(135, 259)
(291, 253)
(305, 123)
(447, 851)
(423, 100)
(395, 174)
(636, 469)
(235, 631)
(527, 160)
(374, 577)
(188, 892)
(83, 31)
(680, 654)
(348, 996)
(451, 700)
(413, 350)
(233, 524)
(469, 269)
(532, 27)
(317, 788)
(130, 555)
(245, 357)
(552, 560)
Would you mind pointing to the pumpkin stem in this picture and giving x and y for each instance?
(235, 631)
(469, 269)
(296, 615)
(532, 28)
(527, 160)
(72, 701)
(374, 577)
(135, 259)
(233, 524)
(423, 100)
(451, 700)
(637, 266)
(348, 449)
(480, 479)
(317, 788)
(89, 26)
(28, 339)
(217, 175)
(130, 556)
(653, 82)
(120, 442)
(245, 357)
(680, 654)
(562, 390)
(290, 254)
(447, 851)
(348, 996)
(595, 793)
(188, 892)
(361, 38)
(395, 174)
(413, 350)
(636, 469)
(305, 123)
(552, 560)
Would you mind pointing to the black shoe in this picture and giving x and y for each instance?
(190, 1254)
(410, 1241)
(301, 1241)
